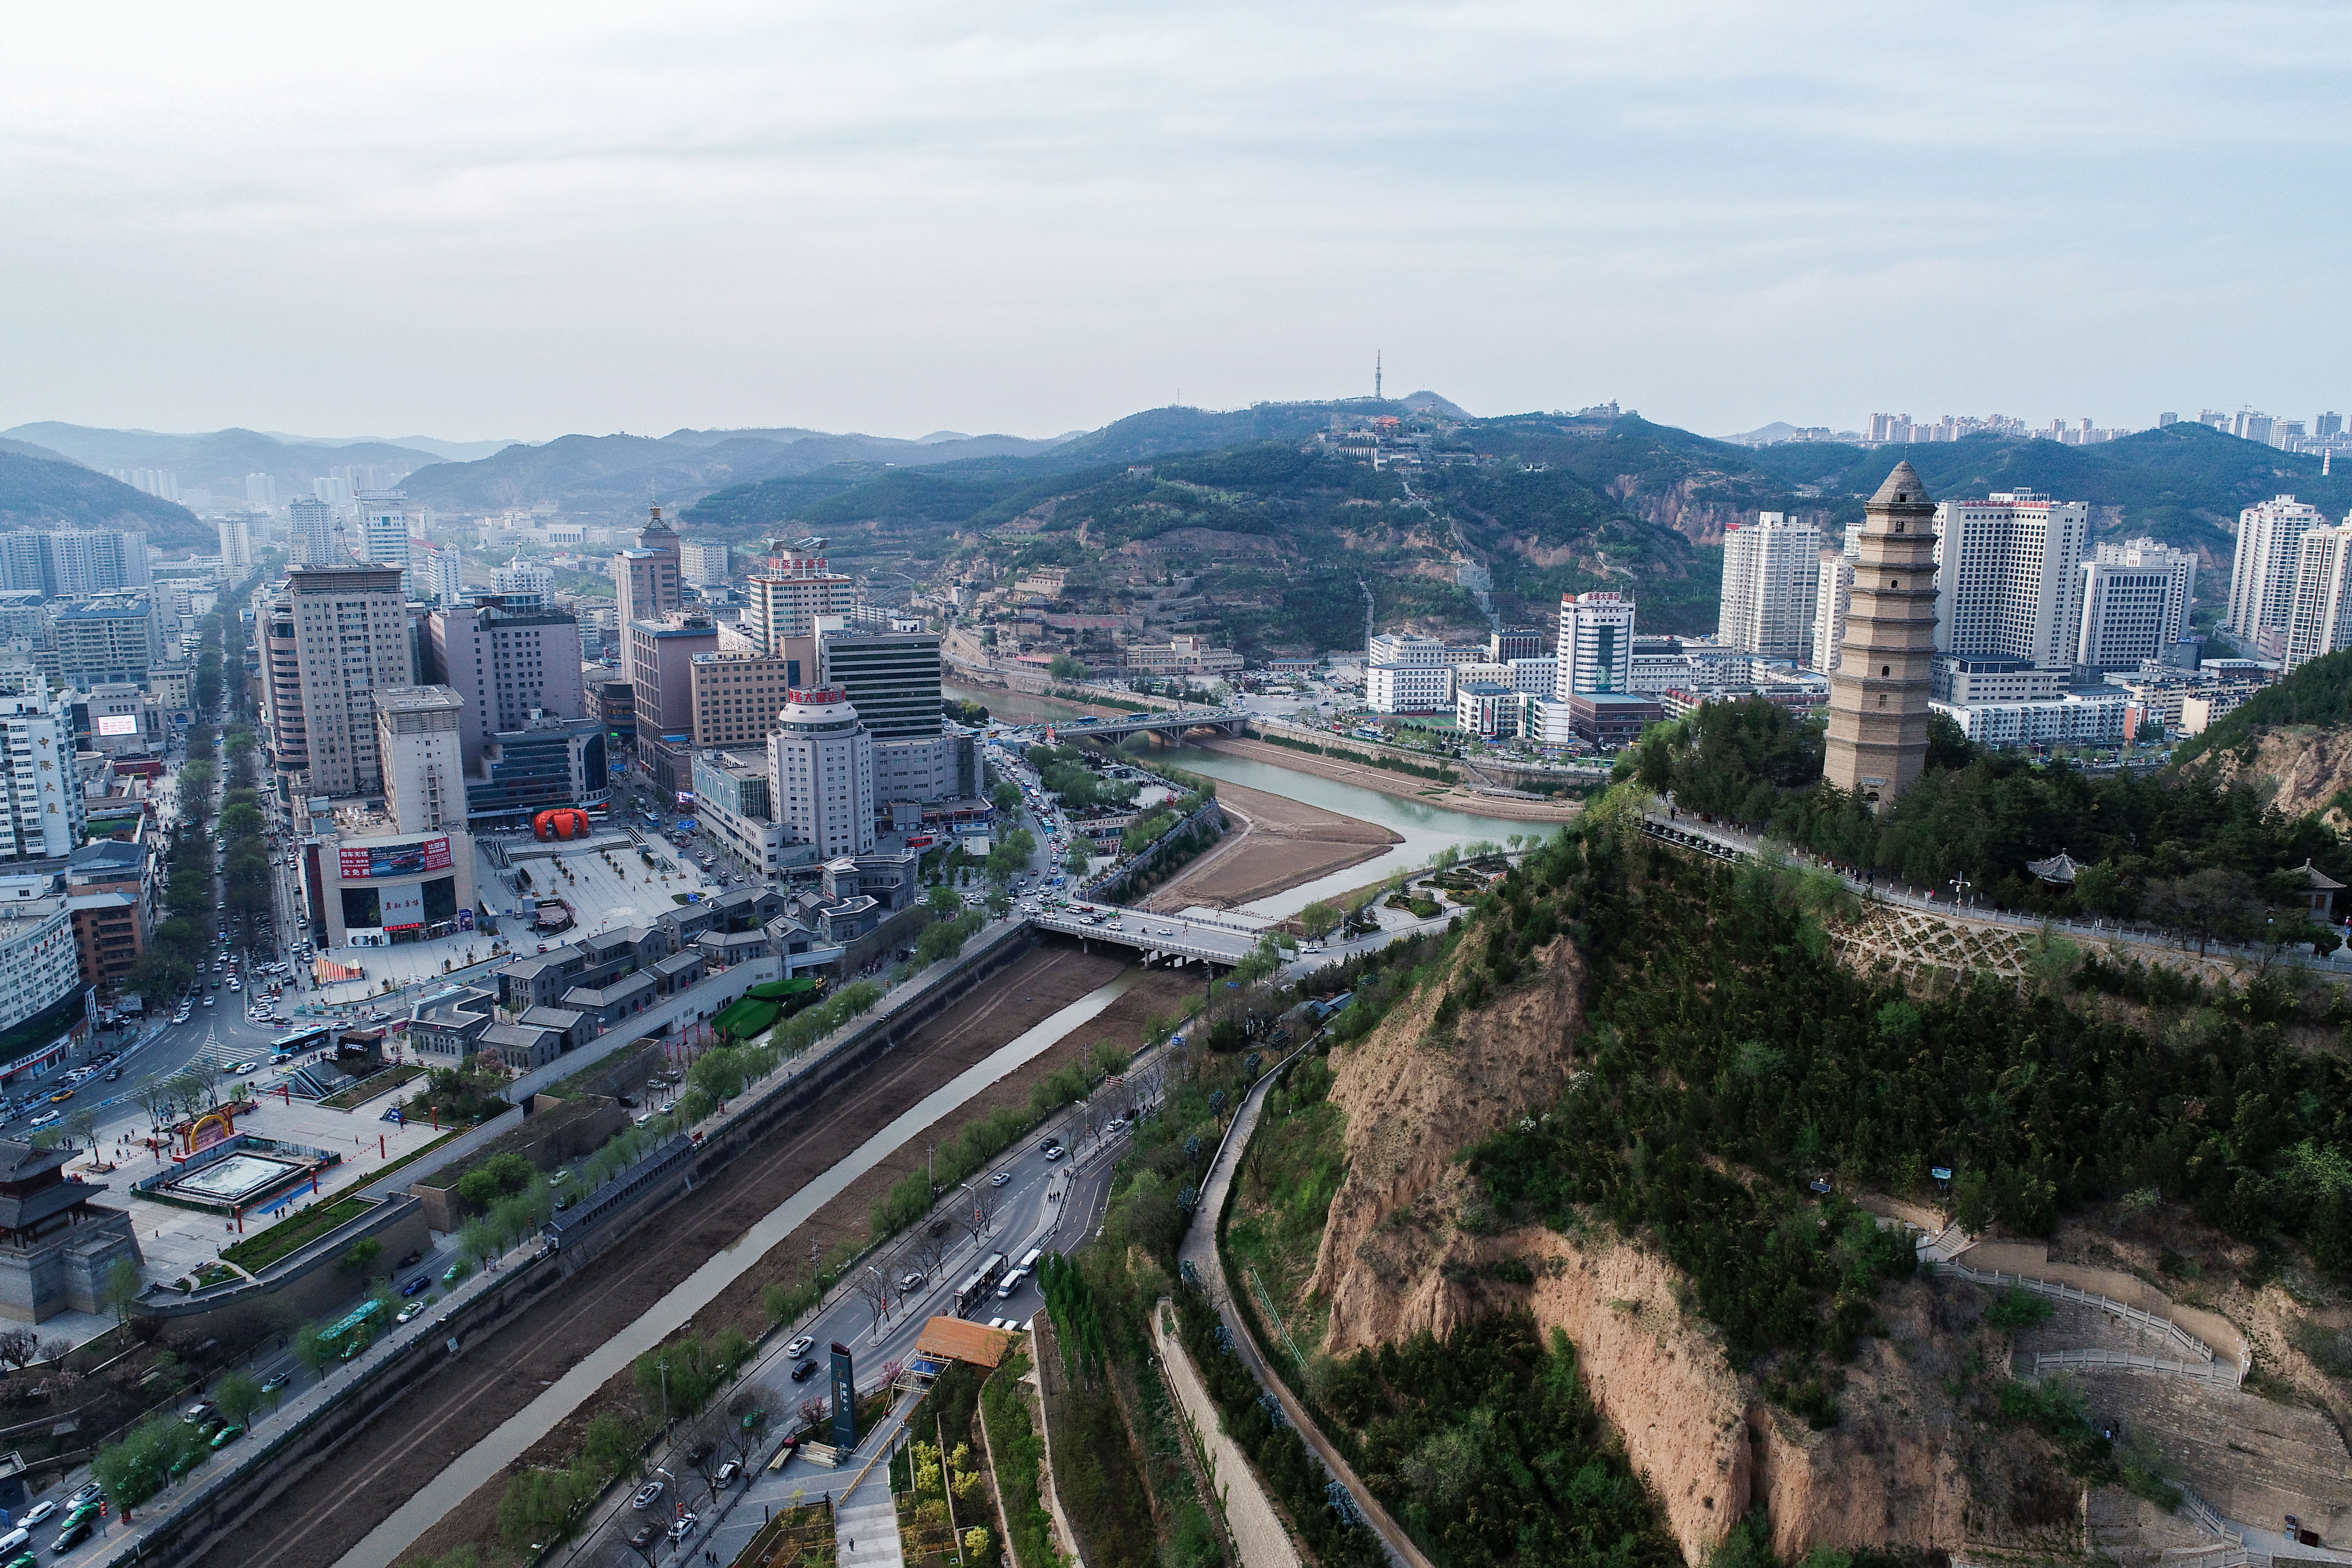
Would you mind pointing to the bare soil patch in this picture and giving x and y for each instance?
(1277, 844)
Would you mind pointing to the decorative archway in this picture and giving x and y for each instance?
(212, 1127)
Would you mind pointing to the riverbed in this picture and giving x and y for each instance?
(1423, 830)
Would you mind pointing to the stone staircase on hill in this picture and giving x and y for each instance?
(2249, 1462)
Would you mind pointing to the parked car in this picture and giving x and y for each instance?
(913, 1281)
(685, 1524)
(727, 1472)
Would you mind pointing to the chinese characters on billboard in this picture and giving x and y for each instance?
(117, 723)
(360, 861)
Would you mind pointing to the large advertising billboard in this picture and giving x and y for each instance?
(403, 906)
(362, 861)
(117, 723)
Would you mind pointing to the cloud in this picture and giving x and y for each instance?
(899, 217)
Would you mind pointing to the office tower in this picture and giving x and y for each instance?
(113, 638)
(1519, 642)
(1877, 739)
(793, 586)
(820, 774)
(383, 533)
(1771, 576)
(892, 678)
(2319, 618)
(41, 811)
(2008, 578)
(2124, 615)
(2327, 426)
(261, 491)
(236, 545)
(351, 641)
(2263, 568)
(281, 691)
(444, 578)
(1596, 645)
(524, 582)
(737, 697)
(645, 579)
(702, 561)
(504, 662)
(661, 679)
(314, 532)
(2180, 571)
(416, 734)
(1833, 595)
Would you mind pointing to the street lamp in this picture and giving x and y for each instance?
(1961, 886)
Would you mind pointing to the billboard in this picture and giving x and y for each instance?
(403, 906)
(117, 723)
(360, 861)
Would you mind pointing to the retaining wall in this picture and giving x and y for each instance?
(305, 1284)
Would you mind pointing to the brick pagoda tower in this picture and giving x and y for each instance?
(1878, 696)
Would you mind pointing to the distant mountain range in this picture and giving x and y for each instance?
(217, 461)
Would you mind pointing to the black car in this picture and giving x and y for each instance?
(807, 1370)
(643, 1535)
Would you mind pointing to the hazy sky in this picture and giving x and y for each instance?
(517, 220)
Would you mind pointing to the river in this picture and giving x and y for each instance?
(1426, 829)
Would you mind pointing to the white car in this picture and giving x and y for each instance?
(685, 1525)
(799, 1347)
(49, 1119)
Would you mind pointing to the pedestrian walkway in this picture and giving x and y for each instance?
(1727, 843)
(1200, 1252)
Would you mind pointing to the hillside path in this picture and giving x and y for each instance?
(1199, 1249)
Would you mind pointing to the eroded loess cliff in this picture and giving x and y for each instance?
(1408, 1232)
(2304, 767)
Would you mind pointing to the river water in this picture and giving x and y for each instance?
(1426, 829)
(462, 1475)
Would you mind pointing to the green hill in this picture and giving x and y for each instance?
(49, 492)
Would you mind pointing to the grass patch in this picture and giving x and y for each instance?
(257, 1252)
(1289, 1174)
(368, 1088)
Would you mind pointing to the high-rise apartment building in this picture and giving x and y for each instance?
(1877, 740)
(1596, 645)
(416, 734)
(523, 582)
(2263, 568)
(261, 491)
(110, 638)
(892, 678)
(349, 627)
(41, 811)
(74, 563)
(236, 544)
(335, 489)
(2319, 616)
(314, 531)
(383, 533)
(281, 687)
(702, 561)
(737, 697)
(505, 663)
(1771, 577)
(2008, 578)
(1833, 595)
(445, 578)
(820, 774)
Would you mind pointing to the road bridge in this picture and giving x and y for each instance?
(1167, 721)
(1155, 936)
